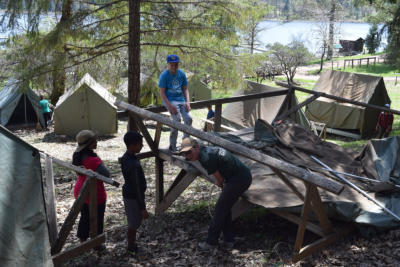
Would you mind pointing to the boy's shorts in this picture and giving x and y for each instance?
(133, 213)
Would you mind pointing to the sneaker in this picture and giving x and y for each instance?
(204, 246)
(100, 248)
(133, 251)
(173, 150)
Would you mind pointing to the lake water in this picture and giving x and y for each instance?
(284, 33)
(273, 31)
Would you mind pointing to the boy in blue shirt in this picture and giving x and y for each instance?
(175, 96)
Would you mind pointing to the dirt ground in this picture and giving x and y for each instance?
(170, 239)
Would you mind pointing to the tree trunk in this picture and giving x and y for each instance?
(322, 58)
(59, 74)
(134, 58)
(331, 29)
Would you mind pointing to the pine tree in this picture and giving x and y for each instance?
(373, 39)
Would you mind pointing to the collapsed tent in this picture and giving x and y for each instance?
(198, 90)
(363, 88)
(245, 113)
(87, 106)
(296, 144)
(19, 104)
(23, 225)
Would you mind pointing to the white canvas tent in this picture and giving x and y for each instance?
(198, 90)
(19, 104)
(24, 236)
(244, 114)
(87, 106)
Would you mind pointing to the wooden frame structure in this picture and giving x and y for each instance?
(285, 171)
(57, 238)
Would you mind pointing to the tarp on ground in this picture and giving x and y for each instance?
(295, 144)
(244, 114)
(19, 104)
(198, 90)
(87, 106)
(24, 237)
(359, 87)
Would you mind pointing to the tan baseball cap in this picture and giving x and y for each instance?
(187, 144)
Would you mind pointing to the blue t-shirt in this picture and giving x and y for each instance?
(173, 85)
(210, 114)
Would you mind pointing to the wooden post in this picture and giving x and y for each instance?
(344, 64)
(303, 223)
(367, 62)
(159, 169)
(374, 61)
(93, 207)
(50, 201)
(157, 134)
(332, 64)
(218, 114)
(352, 63)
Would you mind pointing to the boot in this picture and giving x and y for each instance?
(132, 247)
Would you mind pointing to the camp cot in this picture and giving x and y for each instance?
(87, 106)
(344, 116)
(19, 104)
(244, 114)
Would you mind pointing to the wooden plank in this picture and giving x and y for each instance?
(297, 107)
(159, 171)
(240, 207)
(145, 155)
(71, 217)
(175, 192)
(93, 207)
(50, 202)
(217, 117)
(69, 253)
(157, 134)
(321, 243)
(303, 222)
(318, 209)
(303, 174)
(147, 136)
(341, 99)
(84, 171)
(222, 126)
(297, 220)
(288, 183)
(178, 178)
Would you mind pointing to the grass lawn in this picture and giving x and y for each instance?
(380, 69)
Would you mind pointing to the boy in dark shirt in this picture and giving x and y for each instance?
(133, 191)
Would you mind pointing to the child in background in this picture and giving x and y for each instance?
(133, 191)
(384, 125)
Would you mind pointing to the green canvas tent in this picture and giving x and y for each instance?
(244, 114)
(19, 104)
(87, 106)
(358, 87)
(24, 236)
(149, 92)
(198, 90)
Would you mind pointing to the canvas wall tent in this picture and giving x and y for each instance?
(19, 104)
(358, 87)
(198, 90)
(149, 92)
(244, 114)
(23, 225)
(87, 106)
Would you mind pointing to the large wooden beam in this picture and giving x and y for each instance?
(206, 103)
(84, 171)
(71, 217)
(69, 253)
(218, 118)
(341, 99)
(252, 154)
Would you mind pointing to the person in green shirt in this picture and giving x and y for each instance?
(45, 109)
(232, 175)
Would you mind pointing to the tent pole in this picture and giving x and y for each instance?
(26, 120)
(356, 188)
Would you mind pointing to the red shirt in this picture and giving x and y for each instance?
(385, 120)
(91, 163)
